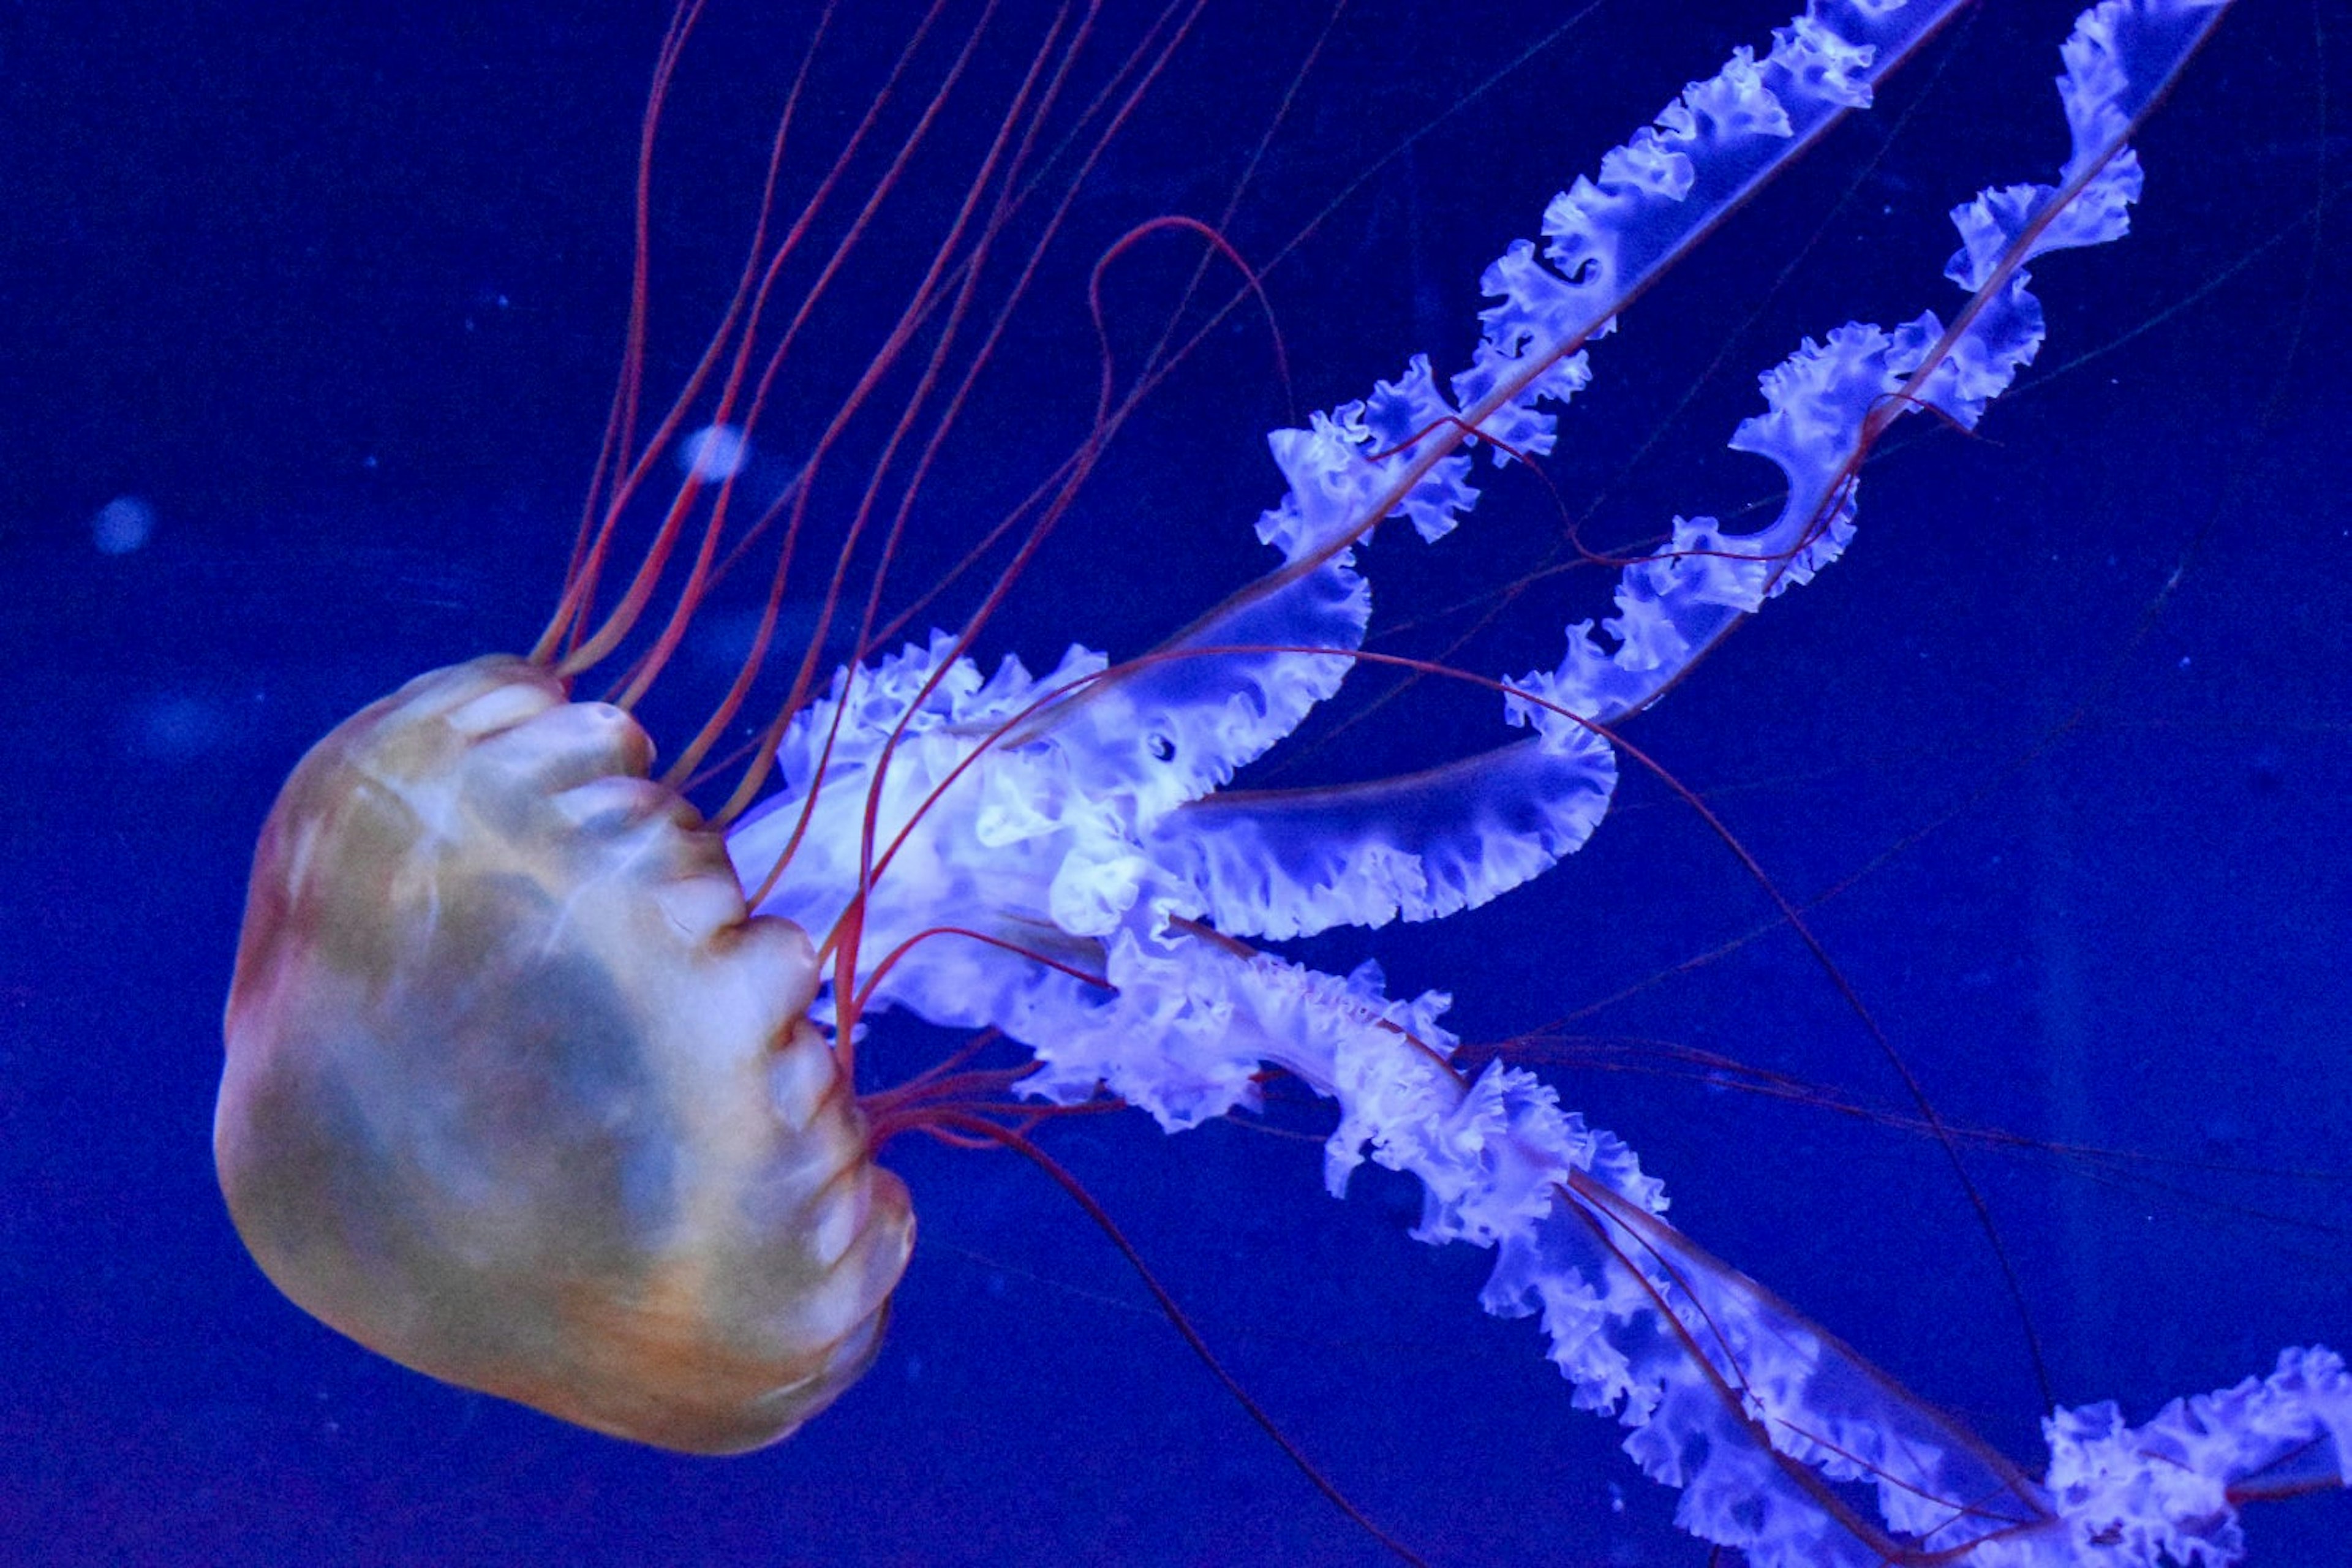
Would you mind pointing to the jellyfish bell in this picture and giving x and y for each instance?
(519, 1096)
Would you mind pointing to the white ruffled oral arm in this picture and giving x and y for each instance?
(1075, 817)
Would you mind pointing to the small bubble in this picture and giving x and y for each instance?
(714, 452)
(122, 525)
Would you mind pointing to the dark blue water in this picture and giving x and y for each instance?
(2056, 756)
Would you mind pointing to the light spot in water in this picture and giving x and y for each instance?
(715, 452)
(173, 726)
(721, 640)
(122, 525)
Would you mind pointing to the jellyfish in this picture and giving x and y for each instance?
(541, 1081)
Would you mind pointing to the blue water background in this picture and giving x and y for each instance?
(338, 295)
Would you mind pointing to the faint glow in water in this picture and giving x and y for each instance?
(122, 525)
(174, 726)
(715, 452)
(721, 640)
